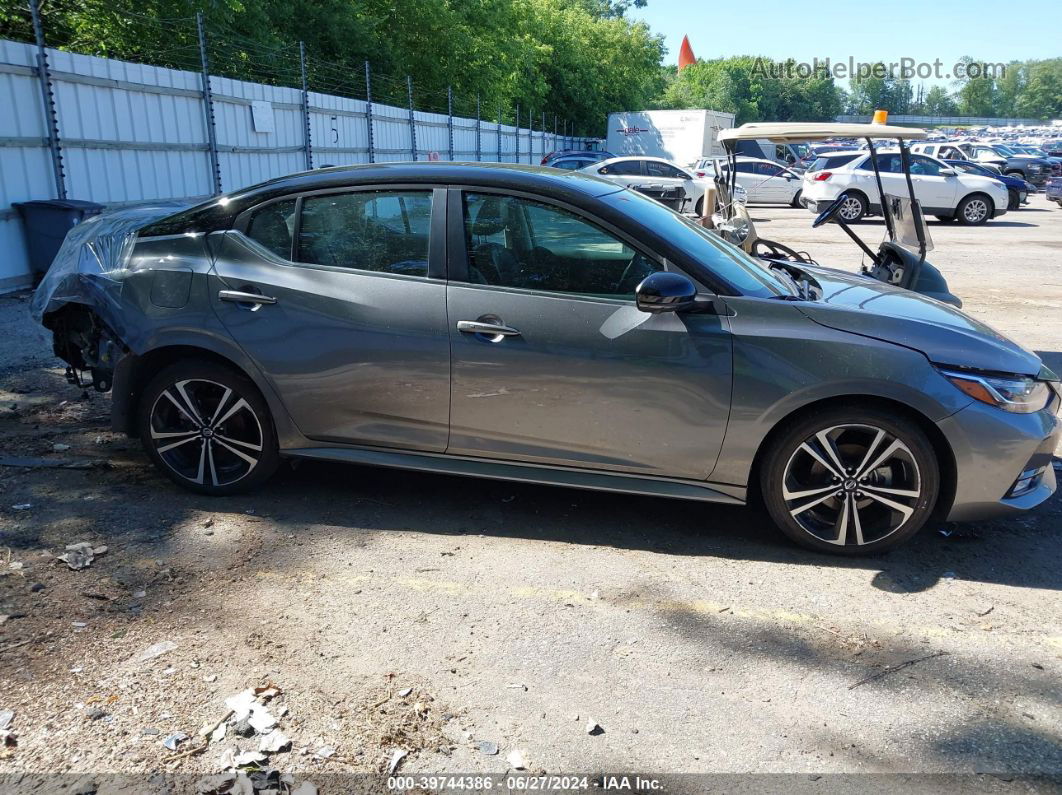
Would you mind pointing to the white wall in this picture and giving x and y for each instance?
(131, 132)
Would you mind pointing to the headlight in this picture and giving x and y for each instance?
(1015, 393)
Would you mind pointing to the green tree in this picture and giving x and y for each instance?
(937, 102)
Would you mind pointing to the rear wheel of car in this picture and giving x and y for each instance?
(853, 208)
(208, 428)
(850, 481)
(795, 203)
(974, 210)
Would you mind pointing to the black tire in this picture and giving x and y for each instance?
(232, 450)
(790, 473)
(699, 208)
(854, 208)
(1013, 199)
(795, 203)
(975, 210)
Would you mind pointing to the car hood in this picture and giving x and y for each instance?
(865, 306)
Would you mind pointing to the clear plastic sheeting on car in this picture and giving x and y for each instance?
(90, 266)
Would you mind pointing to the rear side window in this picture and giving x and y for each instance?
(273, 226)
(379, 231)
(624, 167)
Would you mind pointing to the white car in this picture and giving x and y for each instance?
(941, 190)
(645, 171)
(764, 181)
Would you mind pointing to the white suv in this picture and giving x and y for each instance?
(940, 189)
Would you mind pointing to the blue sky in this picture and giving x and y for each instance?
(889, 30)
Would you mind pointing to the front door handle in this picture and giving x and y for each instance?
(488, 329)
(240, 297)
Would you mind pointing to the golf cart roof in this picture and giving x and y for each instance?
(792, 132)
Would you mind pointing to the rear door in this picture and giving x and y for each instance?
(340, 300)
(552, 361)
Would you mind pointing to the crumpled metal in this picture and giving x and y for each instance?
(91, 263)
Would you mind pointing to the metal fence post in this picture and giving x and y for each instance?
(516, 155)
(478, 152)
(208, 104)
(530, 136)
(499, 134)
(450, 118)
(543, 134)
(48, 98)
(412, 121)
(305, 108)
(368, 111)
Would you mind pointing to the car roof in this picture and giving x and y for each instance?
(619, 158)
(220, 212)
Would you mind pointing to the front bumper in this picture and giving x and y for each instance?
(992, 450)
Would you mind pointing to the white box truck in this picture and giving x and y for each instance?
(681, 136)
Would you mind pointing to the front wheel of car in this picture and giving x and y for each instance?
(207, 428)
(796, 203)
(974, 210)
(850, 481)
(1013, 199)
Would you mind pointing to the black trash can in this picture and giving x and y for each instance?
(46, 223)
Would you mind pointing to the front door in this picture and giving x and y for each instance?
(352, 333)
(552, 362)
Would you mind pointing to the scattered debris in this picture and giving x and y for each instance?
(247, 758)
(516, 760)
(149, 731)
(175, 739)
(396, 760)
(80, 555)
(22, 506)
(6, 716)
(218, 734)
(274, 742)
(325, 752)
(305, 788)
(95, 714)
(405, 692)
(593, 728)
(516, 686)
(984, 613)
(156, 650)
(891, 669)
(487, 747)
(37, 587)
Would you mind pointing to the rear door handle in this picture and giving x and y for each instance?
(240, 297)
(489, 329)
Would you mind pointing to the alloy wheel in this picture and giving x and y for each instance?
(851, 485)
(851, 209)
(975, 211)
(205, 432)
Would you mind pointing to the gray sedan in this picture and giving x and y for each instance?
(529, 324)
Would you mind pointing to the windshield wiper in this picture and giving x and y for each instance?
(802, 288)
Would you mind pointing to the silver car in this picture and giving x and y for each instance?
(530, 324)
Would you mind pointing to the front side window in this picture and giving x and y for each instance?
(380, 231)
(924, 166)
(272, 227)
(654, 168)
(514, 242)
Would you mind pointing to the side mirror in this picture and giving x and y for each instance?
(665, 292)
(948, 172)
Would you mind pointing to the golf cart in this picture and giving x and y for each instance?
(900, 259)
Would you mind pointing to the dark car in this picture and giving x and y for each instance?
(524, 323)
(574, 159)
(1034, 170)
(1017, 189)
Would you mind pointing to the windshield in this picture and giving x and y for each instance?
(728, 262)
(1004, 150)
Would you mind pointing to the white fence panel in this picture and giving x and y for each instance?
(131, 133)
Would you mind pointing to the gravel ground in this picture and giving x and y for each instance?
(695, 636)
